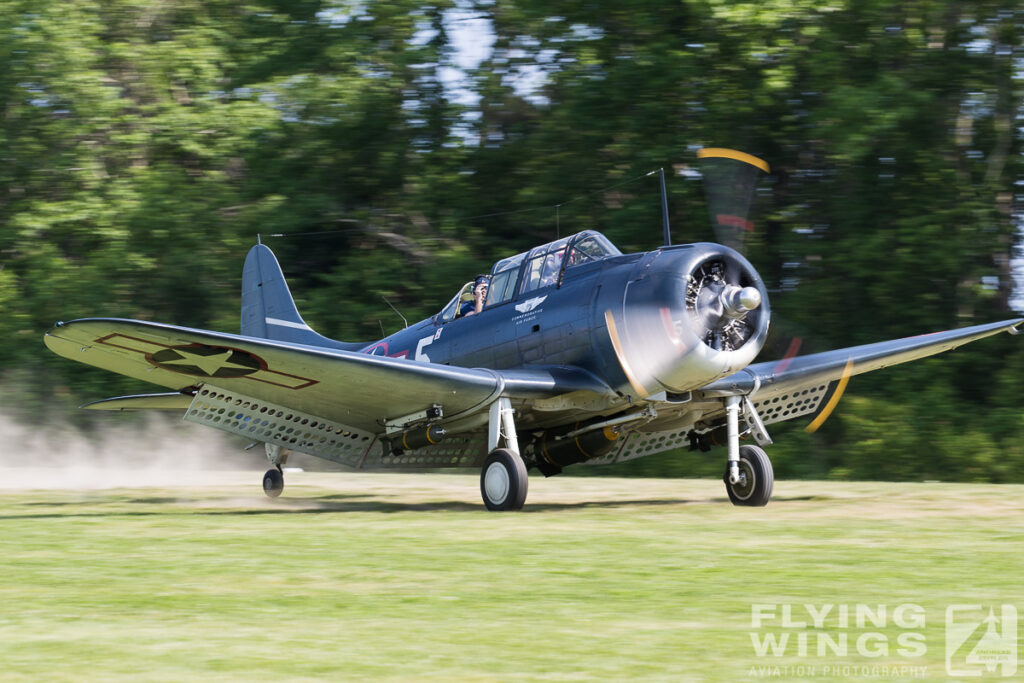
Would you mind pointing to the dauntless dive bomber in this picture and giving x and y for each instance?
(579, 353)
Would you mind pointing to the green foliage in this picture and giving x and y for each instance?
(145, 144)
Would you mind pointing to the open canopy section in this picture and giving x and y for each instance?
(545, 265)
(540, 267)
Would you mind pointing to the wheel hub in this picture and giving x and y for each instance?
(496, 483)
(744, 488)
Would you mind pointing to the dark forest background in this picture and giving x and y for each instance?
(404, 146)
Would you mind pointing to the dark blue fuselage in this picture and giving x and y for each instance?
(552, 325)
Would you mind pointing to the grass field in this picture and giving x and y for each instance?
(406, 577)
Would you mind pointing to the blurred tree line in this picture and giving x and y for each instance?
(403, 146)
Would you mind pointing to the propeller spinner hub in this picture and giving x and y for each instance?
(738, 301)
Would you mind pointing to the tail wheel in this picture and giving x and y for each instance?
(503, 480)
(756, 478)
(273, 482)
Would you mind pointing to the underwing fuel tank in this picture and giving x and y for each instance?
(690, 314)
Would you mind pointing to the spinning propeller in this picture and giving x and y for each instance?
(696, 313)
(729, 181)
(730, 178)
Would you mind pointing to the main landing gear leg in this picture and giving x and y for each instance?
(503, 479)
(273, 479)
(749, 477)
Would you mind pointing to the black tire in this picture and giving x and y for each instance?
(503, 481)
(273, 482)
(757, 478)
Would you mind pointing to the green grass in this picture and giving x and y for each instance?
(406, 577)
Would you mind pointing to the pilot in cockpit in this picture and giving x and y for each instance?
(479, 295)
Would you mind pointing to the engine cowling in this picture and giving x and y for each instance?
(694, 314)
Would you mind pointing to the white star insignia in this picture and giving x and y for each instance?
(209, 364)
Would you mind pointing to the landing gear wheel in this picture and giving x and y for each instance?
(756, 478)
(503, 481)
(273, 482)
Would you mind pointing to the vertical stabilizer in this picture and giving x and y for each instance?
(268, 310)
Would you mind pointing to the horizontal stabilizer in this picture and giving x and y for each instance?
(168, 401)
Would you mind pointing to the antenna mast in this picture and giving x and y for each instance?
(664, 209)
(396, 311)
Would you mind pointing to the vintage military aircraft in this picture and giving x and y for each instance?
(580, 353)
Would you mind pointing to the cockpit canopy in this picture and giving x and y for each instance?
(544, 265)
(540, 267)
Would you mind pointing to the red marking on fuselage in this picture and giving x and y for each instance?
(384, 345)
(370, 350)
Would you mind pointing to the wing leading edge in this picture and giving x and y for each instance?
(767, 380)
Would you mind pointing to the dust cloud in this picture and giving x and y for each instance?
(118, 451)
